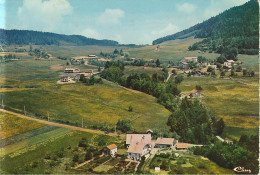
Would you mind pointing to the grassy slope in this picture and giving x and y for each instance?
(11, 125)
(97, 104)
(27, 150)
(235, 102)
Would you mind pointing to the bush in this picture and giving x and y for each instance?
(130, 109)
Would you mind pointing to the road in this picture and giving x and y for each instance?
(60, 125)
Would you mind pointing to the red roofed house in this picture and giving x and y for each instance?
(111, 150)
(139, 145)
(195, 94)
(164, 142)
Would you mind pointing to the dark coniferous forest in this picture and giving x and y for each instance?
(234, 28)
(45, 38)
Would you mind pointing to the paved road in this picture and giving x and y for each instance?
(60, 125)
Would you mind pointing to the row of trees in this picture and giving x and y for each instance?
(90, 81)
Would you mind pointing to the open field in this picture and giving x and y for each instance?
(34, 86)
(11, 125)
(235, 100)
(28, 150)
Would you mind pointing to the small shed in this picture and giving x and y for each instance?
(157, 169)
(195, 93)
(181, 146)
(110, 150)
(65, 78)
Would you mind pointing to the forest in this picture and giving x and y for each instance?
(26, 37)
(233, 28)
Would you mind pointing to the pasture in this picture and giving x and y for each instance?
(32, 83)
(235, 100)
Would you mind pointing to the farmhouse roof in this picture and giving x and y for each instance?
(134, 138)
(184, 63)
(136, 147)
(113, 146)
(181, 145)
(231, 61)
(164, 141)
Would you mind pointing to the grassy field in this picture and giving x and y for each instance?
(235, 100)
(27, 150)
(34, 86)
(11, 125)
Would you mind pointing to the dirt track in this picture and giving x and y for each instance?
(59, 124)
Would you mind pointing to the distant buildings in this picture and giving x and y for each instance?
(189, 59)
(86, 73)
(71, 70)
(228, 64)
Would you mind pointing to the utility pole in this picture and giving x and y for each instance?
(48, 116)
(24, 110)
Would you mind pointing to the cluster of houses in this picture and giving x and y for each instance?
(186, 60)
(75, 73)
(139, 145)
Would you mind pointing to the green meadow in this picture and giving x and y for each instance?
(235, 100)
(32, 83)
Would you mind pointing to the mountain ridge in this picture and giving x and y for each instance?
(15, 36)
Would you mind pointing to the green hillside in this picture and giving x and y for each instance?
(25, 37)
(236, 27)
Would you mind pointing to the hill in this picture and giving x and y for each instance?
(25, 37)
(236, 27)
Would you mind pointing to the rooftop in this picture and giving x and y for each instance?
(113, 146)
(164, 141)
(134, 138)
(193, 91)
(136, 147)
(181, 145)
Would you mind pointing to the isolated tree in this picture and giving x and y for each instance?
(252, 74)
(239, 69)
(174, 72)
(130, 109)
(232, 73)
(75, 158)
(178, 79)
(198, 87)
(220, 125)
(157, 63)
(245, 72)
(222, 73)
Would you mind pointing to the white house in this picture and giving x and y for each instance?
(137, 150)
(65, 78)
(138, 145)
(111, 150)
(164, 142)
(229, 64)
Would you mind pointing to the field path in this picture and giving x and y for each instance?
(60, 125)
